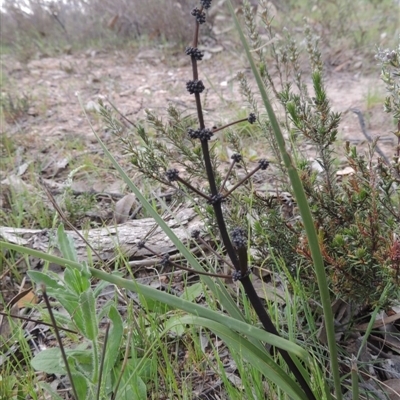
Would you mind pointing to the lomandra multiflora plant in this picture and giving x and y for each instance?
(191, 138)
(235, 242)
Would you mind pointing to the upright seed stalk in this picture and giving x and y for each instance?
(236, 247)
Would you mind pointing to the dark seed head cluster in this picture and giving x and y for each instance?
(237, 275)
(194, 52)
(195, 234)
(252, 118)
(165, 261)
(217, 198)
(264, 164)
(200, 15)
(172, 175)
(236, 157)
(194, 86)
(202, 134)
(206, 4)
(238, 238)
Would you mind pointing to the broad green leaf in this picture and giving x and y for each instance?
(85, 269)
(174, 325)
(66, 244)
(114, 339)
(81, 383)
(78, 319)
(41, 278)
(76, 280)
(63, 319)
(51, 362)
(87, 304)
(193, 291)
(68, 299)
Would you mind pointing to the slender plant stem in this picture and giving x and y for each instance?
(230, 124)
(60, 343)
(103, 357)
(227, 175)
(249, 175)
(36, 321)
(192, 188)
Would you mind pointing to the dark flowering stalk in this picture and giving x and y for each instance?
(236, 245)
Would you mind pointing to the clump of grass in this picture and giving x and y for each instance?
(13, 108)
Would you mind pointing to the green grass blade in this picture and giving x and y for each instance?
(304, 212)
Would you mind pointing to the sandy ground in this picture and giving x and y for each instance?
(149, 79)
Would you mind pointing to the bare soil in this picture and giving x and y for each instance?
(147, 79)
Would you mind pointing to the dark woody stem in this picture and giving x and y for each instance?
(207, 161)
(218, 208)
(217, 205)
(189, 186)
(195, 271)
(196, 35)
(243, 260)
(227, 175)
(196, 77)
(209, 168)
(249, 175)
(230, 124)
